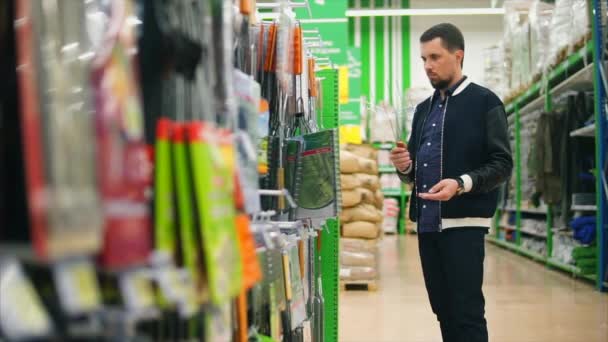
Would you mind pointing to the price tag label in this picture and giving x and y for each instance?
(171, 285)
(190, 305)
(219, 326)
(77, 286)
(137, 290)
(21, 312)
(307, 326)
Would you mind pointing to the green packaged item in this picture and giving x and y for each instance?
(214, 185)
(191, 252)
(262, 338)
(584, 252)
(587, 263)
(293, 172)
(587, 270)
(164, 218)
(318, 197)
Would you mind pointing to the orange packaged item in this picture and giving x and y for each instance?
(252, 272)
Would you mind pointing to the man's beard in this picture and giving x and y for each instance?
(441, 84)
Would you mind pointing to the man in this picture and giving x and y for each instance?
(457, 156)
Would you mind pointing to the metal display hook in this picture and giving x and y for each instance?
(279, 193)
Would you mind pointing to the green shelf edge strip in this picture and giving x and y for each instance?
(330, 274)
(564, 67)
(328, 265)
(513, 247)
(541, 258)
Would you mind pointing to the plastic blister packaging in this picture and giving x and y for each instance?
(493, 76)
(540, 16)
(561, 25)
(580, 22)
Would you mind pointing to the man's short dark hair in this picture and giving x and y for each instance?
(451, 37)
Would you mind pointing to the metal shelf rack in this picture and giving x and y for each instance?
(582, 70)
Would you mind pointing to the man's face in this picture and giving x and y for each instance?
(440, 65)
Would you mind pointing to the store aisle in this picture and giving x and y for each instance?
(526, 302)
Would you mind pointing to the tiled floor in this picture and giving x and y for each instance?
(525, 302)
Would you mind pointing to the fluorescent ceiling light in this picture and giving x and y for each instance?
(270, 5)
(268, 16)
(324, 20)
(422, 11)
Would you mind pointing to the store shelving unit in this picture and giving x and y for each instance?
(579, 71)
(329, 248)
(402, 194)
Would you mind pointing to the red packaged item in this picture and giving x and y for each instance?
(31, 129)
(125, 169)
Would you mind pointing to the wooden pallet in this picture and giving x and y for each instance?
(359, 285)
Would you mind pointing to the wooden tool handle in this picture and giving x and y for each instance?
(272, 34)
(245, 7)
(312, 78)
(297, 50)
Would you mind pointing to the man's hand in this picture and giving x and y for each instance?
(443, 191)
(400, 157)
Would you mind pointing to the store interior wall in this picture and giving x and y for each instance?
(384, 46)
(480, 32)
(398, 64)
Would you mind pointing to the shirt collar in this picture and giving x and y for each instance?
(451, 89)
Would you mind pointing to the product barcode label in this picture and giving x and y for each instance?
(77, 286)
(137, 290)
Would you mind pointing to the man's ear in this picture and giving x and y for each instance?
(459, 56)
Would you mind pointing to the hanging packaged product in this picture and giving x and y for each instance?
(190, 243)
(293, 169)
(248, 93)
(272, 291)
(262, 141)
(295, 313)
(252, 272)
(124, 168)
(214, 184)
(251, 268)
(218, 323)
(57, 124)
(164, 210)
(319, 192)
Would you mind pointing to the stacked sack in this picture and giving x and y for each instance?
(361, 217)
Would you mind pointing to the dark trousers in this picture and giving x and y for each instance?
(452, 263)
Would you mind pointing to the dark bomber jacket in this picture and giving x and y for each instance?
(475, 147)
